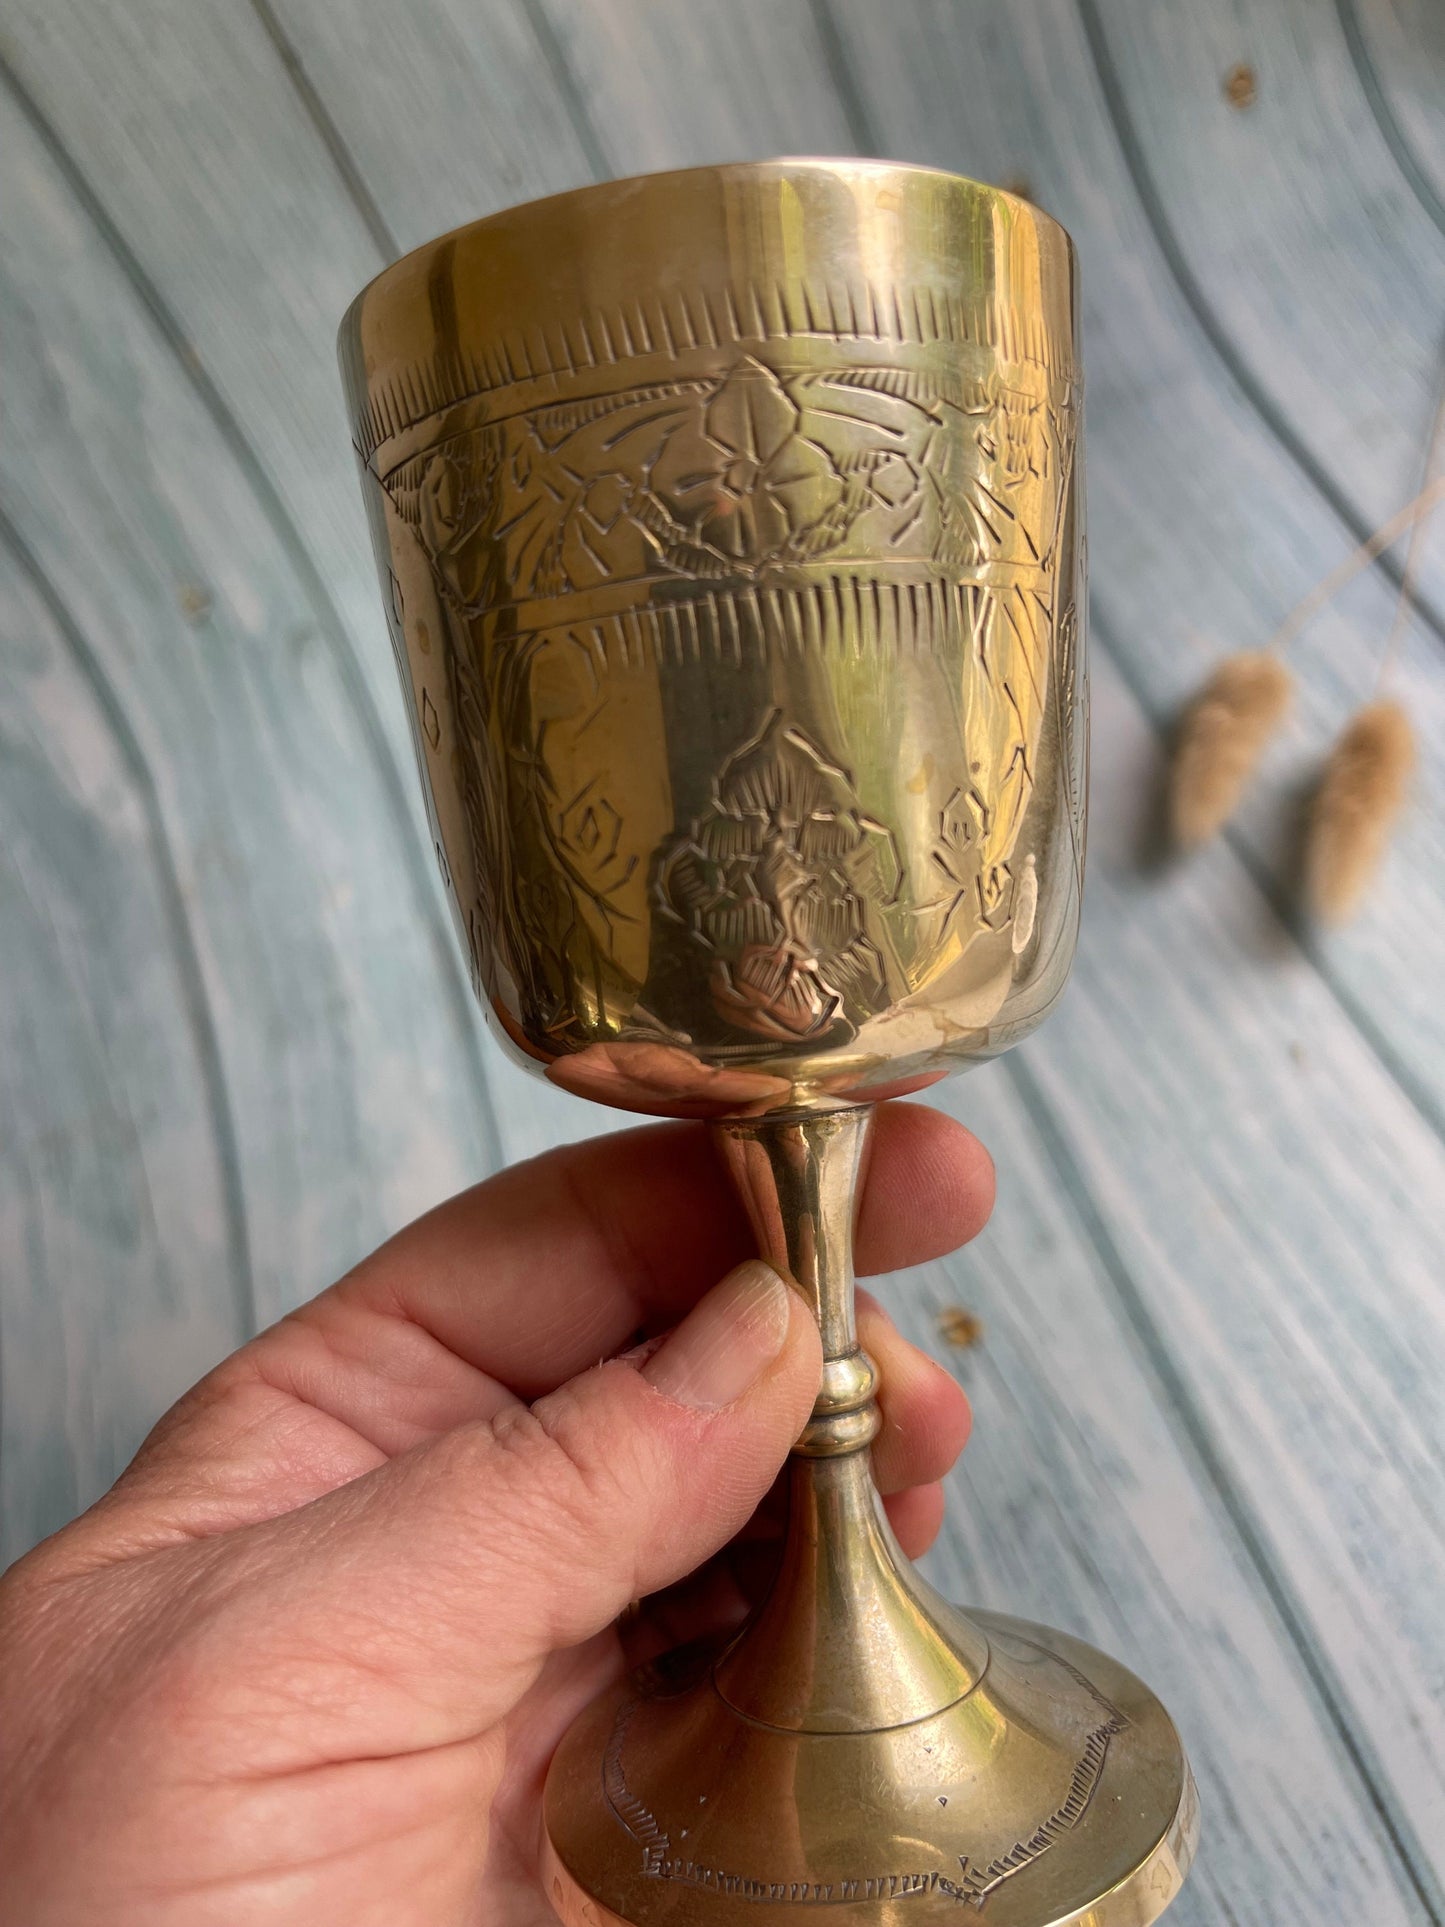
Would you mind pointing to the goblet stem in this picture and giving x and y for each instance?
(798, 1178)
(850, 1639)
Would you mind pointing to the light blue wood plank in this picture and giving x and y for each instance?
(1079, 1501)
(1399, 49)
(1322, 273)
(220, 189)
(663, 87)
(324, 965)
(523, 138)
(224, 190)
(196, 104)
(1278, 1217)
(105, 1094)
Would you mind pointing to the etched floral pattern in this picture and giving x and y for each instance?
(776, 879)
(738, 476)
(729, 476)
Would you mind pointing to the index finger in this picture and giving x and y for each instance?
(561, 1261)
(507, 1291)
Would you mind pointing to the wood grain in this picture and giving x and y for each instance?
(237, 1048)
(109, 1085)
(319, 959)
(1079, 1499)
(1398, 47)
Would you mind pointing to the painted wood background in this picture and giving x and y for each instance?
(237, 1048)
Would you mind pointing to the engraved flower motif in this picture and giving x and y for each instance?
(737, 477)
(776, 879)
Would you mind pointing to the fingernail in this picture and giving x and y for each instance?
(726, 1342)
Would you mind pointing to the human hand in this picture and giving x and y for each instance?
(306, 1663)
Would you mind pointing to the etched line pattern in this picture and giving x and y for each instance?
(836, 312)
(822, 618)
(975, 1882)
(981, 1881)
(824, 956)
(638, 1819)
(760, 510)
(809, 1893)
(743, 471)
(1071, 694)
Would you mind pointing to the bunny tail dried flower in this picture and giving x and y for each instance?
(1221, 739)
(1361, 793)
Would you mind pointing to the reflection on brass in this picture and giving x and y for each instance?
(730, 533)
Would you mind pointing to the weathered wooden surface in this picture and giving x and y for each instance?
(236, 1048)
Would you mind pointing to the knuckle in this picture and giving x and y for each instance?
(553, 1453)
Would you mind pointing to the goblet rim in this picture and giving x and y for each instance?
(759, 169)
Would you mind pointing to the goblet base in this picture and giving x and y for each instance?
(1054, 1791)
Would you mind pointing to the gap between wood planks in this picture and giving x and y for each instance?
(331, 138)
(1386, 119)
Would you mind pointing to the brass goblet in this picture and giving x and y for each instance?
(730, 527)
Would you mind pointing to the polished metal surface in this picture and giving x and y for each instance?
(730, 533)
(699, 1816)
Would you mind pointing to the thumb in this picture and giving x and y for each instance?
(449, 1575)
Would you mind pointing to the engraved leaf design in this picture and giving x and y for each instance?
(776, 880)
(738, 477)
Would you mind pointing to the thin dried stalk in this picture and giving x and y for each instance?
(1221, 739)
(1410, 517)
(1425, 504)
(1361, 794)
